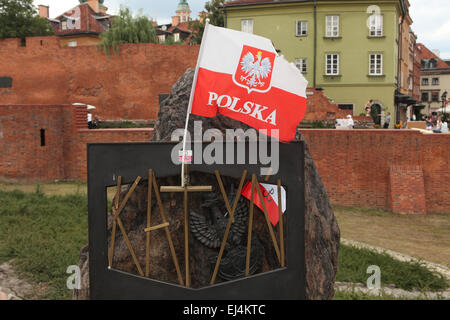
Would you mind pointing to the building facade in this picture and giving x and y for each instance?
(348, 48)
(434, 80)
(180, 28)
(81, 25)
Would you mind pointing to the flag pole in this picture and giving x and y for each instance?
(191, 100)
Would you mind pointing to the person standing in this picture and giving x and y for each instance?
(89, 119)
(387, 122)
(368, 107)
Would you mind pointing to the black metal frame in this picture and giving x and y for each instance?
(108, 161)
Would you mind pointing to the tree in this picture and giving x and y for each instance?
(128, 29)
(216, 15)
(19, 19)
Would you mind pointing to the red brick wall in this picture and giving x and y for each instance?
(104, 136)
(407, 190)
(23, 159)
(121, 87)
(355, 165)
(21, 155)
(319, 107)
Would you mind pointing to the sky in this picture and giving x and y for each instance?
(431, 17)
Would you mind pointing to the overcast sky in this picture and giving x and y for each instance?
(431, 17)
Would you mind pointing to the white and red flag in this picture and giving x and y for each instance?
(270, 195)
(241, 76)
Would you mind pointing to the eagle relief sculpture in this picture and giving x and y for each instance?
(209, 229)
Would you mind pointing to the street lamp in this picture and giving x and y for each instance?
(444, 100)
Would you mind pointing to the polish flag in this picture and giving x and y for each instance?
(270, 195)
(241, 76)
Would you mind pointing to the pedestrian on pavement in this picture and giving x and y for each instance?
(387, 122)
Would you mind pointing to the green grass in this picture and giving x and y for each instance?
(353, 264)
(42, 236)
(354, 295)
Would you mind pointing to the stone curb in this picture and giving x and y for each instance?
(391, 291)
(400, 256)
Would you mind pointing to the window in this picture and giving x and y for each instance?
(435, 96)
(425, 97)
(432, 64)
(176, 37)
(332, 64)
(332, 26)
(301, 28)
(375, 64)
(425, 81)
(301, 64)
(376, 25)
(247, 26)
(72, 43)
(346, 106)
(64, 25)
(162, 38)
(42, 137)
(435, 81)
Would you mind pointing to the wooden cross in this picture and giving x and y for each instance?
(186, 190)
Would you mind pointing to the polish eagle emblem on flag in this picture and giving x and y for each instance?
(254, 71)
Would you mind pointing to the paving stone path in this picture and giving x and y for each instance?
(392, 291)
(11, 287)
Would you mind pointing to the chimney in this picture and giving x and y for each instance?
(94, 5)
(175, 21)
(44, 11)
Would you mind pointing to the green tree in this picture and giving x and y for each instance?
(216, 16)
(19, 19)
(171, 40)
(128, 29)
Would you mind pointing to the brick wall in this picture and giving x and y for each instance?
(121, 87)
(386, 169)
(22, 157)
(355, 165)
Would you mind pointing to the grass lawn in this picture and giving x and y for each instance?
(353, 264)
(424, 237)
(42, 230)
(43, 235)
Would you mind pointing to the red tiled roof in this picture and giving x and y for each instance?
(88, 22)
(183, 26)
(426, 53)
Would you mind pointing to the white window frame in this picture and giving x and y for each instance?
(302, 65)
(376, 23)
(301, 28)
(247, 25)
(176, 37)
(64, 25)
(162, 38)
(376, 64)
(332, 26)
(334, 66)
(72, 43)
(425, 82)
